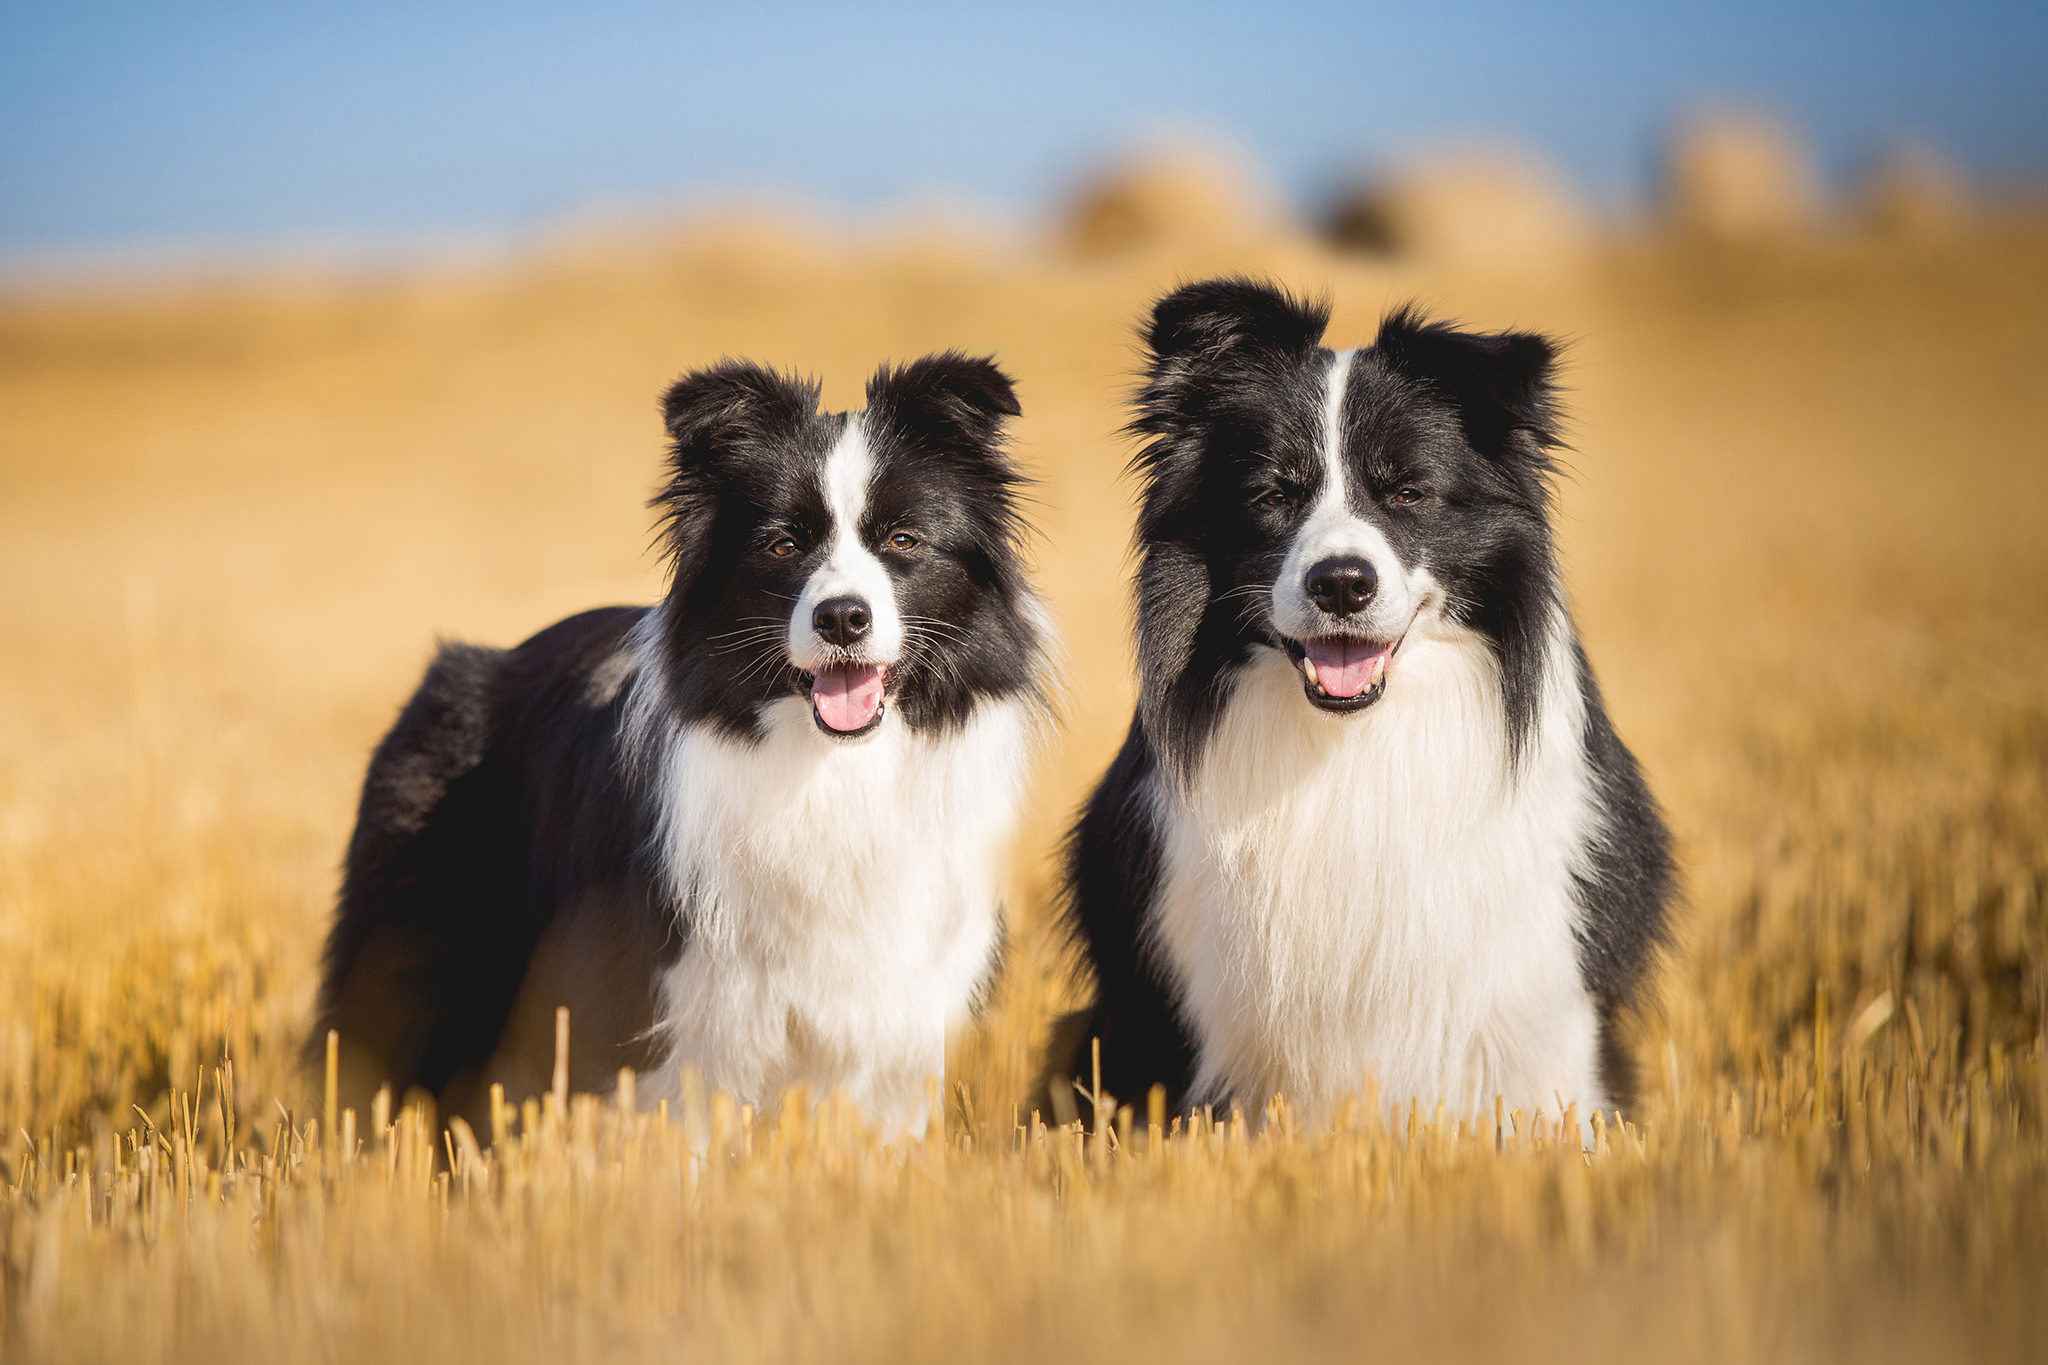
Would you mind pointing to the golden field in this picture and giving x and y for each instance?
(1806, 526)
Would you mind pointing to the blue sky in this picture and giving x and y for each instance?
(144, 125)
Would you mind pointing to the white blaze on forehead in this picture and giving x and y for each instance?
(1333, 428)
(848, 467)
(1331, 529)
(850, 568)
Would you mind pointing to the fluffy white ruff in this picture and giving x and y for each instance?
(1374, 895)
(842, 901)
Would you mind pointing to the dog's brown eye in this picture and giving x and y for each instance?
(1277, 498)
(1405, 496)
(783, 548)
(903, 540)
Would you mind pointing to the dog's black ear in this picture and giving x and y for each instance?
(947, 403)
(1200, 324)
(1206, 340)
(732, 403)
(951, 407)
(1502, 384)
(727, 409)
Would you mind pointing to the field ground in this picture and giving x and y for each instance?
(1806, 526)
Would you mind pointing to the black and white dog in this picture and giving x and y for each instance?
(1371, 818)
(756, 829)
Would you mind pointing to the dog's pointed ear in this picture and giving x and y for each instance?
(947, 403)
(1207, 343)
(1205, 340)
(732, 403)
(1200, 324)
(951, 407)
(1502, 384)
(710, 414)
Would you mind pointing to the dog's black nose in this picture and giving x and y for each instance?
(1342, 586)
(842, 620)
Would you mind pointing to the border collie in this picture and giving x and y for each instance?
(1371, 819)
(755, 830)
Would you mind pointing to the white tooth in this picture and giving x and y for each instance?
(1308, 668)
(1379, 666)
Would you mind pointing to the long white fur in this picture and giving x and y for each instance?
(1382, 895)
(841, 900)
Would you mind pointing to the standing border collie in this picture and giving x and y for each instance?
(756, 829)
(1371, 818)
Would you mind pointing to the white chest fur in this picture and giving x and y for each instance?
(1374, 895)
(842, 902)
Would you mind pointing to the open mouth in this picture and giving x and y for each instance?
(849, 699)
(1342, 672)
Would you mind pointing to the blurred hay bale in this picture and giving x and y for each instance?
(1916, 192)
(1738, 178)
(1174, 196)
(1473, 208)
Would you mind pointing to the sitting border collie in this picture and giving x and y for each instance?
(1371, 819)
(756, 829)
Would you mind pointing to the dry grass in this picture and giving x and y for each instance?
(1805, 529)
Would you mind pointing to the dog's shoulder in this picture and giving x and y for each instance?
(582, 659)
(467, 696)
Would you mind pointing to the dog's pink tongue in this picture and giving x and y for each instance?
(1344, 666)
(847, 695)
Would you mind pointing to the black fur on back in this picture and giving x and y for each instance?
(497, 797)
(1231, 406)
